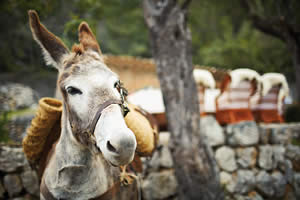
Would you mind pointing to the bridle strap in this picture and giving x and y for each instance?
(45, 191)
(99, 112)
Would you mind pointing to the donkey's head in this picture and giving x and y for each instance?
(92, 95)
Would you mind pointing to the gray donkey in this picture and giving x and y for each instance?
(94, 140)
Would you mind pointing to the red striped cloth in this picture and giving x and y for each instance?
(269, 108)
(233, 105)
(235, 98)
(269, 101)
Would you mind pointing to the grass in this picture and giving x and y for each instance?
(5, 117)
(22, 112)
(295, 142)
(4, 137)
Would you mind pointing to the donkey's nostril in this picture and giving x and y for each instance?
(111, 147)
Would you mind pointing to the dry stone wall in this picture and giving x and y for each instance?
(256, 162)
(158, 179)
(17, 180)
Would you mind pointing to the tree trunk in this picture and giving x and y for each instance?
(296, 62)
(195, 167)
(294, 47)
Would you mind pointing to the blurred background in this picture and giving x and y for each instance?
(224, 38)
(222, 35)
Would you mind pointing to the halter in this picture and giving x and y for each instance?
(110, 193)
(121, 103)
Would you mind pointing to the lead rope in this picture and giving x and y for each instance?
(138, 181)
(127, 178)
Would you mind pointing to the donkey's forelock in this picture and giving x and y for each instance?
(82, 58)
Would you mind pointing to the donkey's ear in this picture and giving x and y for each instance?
(87, 38)
(53, 48)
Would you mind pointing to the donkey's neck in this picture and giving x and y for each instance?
(74, 172)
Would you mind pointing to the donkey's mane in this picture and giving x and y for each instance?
(78, 49)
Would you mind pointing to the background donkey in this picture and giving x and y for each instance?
(94, 138)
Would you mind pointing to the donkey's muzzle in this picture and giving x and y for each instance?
(115, 140)
(121, 149)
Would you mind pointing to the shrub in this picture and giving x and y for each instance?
(292, 113)
(3, 127)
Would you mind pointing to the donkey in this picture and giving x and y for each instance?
(94, 140)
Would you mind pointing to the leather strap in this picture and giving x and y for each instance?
(99, 112)
(45, 160)
(45, 191)
(108, 195)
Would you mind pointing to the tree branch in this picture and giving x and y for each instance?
(186, 4)
(246, 4)
(271, 27)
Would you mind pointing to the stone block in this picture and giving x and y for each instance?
(159, 185)
(288, 171)
(12, 184)
(265, 160)
(296, 184)
(17, 96)
(242, 134)
(279, 182)
(293, 154)
(228, 181)
(164, 138)
(166, 160)
(211, 129)
(255, 196)
(245, 181)
(30, 182)
(278, 155)
(264, 184)
(280, 134)
(11, 158)
(246, 157)
(264, 133)
(251, 196)
(225, 158)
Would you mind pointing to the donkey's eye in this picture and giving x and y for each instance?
(72, 90)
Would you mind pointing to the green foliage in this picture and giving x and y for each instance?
(3, 127)
(295, 142)
(119, 26)
(248, 48)
(17, 49)
(5, 117)
(292, 113)
(19, 113)
(222, 36)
